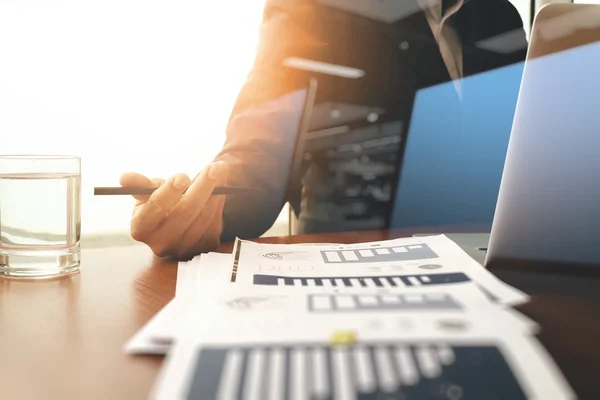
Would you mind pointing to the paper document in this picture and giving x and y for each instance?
(352, 342)
(409, 318)
(423, 261)
(206, 280)
(373, 264)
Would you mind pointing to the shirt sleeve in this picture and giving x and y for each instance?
(259, 149)
(265, 118)
(289, 28)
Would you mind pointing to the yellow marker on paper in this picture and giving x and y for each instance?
(343, 338)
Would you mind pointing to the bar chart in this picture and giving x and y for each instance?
(363, 371)
(379, 254)
(332, 303)
(362, 281)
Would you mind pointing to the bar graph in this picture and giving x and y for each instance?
(362, 371)
(335, 303)
(362, 281)
(379, 254)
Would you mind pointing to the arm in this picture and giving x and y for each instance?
(258, 149)
(290, 28)
(262, 120)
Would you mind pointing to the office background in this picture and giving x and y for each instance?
(128, 85)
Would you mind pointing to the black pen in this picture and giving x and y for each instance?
(226, 190)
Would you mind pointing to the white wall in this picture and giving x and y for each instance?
(142, 85)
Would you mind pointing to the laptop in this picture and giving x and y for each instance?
(548, 210)
(454, 152)
(452, 164)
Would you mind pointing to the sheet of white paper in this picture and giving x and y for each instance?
(306, 309)
(297, 264)
(207, 277)
(406, 261)
(142, 342)
(166, 325)
(394, 329)
(182, 275)
(298, 261)
(156, 336)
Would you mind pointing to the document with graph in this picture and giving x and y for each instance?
(414, 261)
(436, 342)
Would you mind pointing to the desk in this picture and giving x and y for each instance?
(62, 339)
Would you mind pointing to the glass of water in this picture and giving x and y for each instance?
(40, 215)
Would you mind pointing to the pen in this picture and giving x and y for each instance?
(231, 190)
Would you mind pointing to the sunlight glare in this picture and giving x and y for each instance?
(125, 84)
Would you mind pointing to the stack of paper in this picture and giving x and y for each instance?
(411, 318)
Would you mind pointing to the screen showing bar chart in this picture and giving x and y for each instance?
(362, 281)
(379, 254)
(361, 371)
(334, 303)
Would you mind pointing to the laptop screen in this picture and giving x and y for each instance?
(455, 150)
(549, 203)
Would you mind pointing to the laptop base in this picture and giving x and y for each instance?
(474, 244)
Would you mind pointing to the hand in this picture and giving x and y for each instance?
(175, 224)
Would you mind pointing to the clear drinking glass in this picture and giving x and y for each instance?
(40, 215)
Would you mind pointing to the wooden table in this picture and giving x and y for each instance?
(62, 339)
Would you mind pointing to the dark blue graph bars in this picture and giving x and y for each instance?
(362, 281)
(358, 372)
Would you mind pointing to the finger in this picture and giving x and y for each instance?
(204, 183)
(143, 198)
(170, 235)
(204, 232)
(210, 236)
(149, 215)
(185, 246)
(194, 200)
(133, 179)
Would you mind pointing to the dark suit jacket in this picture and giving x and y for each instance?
(399, 58)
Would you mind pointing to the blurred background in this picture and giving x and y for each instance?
(127, 85)
(148, 86)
